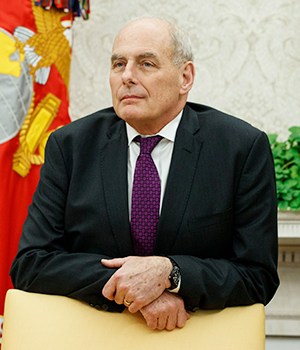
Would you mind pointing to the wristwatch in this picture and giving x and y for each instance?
(174, 277)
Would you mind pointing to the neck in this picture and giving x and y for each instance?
(151, 127)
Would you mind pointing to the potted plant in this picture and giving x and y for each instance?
(286, 156)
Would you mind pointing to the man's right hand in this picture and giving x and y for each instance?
(139, 279)
(165, 312)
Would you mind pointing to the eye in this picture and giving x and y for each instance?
(147, 64)
(118, 65)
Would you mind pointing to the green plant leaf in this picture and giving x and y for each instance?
(286, 156)
(272, 138)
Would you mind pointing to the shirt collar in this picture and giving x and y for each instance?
(168, 131)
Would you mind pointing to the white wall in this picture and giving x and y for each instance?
(274, 343)
(247, 54)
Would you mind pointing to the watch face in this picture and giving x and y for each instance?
(175, 277)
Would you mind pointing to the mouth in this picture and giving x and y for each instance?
(130, 98)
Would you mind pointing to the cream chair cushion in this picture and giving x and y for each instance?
(47, 322)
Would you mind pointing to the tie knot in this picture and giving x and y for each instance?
(147, 144)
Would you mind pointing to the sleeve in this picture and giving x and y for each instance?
(249, 275)
(43, 263)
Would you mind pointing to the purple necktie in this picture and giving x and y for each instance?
(145, 198)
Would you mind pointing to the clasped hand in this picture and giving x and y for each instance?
(138, 280)
(141, 282)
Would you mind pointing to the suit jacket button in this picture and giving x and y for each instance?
(98, 307)
(105, 307)
(92, 305)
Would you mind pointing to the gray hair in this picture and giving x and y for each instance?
(182, 48)
(182, 45)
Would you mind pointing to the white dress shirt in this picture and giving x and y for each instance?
(161, 155)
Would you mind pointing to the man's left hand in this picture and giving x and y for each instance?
(138, 280)
(166, 312)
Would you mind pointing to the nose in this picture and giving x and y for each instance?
(129, 74)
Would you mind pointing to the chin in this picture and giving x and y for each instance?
(129, 114)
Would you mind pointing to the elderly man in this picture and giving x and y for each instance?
(158, 204)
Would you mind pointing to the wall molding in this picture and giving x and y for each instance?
(283, 312)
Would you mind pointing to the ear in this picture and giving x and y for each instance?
(188, 75)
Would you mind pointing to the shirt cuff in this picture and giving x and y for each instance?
(176, 290)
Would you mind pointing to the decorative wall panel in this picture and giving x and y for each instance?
(247, 54)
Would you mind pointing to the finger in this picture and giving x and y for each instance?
(135, 306)
(113, 291)
(119, 297)
(126, 302)
(113, 263)
(162, 322)
(182, 317)
(171, 323)
(150, 318)
(109, 290)
(152, 322)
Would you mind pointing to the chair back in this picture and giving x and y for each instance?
(47, 322)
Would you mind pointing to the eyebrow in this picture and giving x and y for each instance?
(116, 56)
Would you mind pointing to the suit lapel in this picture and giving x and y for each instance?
(183, 166)
(182, 169)
(114, 174)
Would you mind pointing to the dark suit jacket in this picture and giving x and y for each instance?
(218, 218)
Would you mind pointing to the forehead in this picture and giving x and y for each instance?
(143, 36)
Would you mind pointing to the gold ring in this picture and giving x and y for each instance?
(127, 303)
